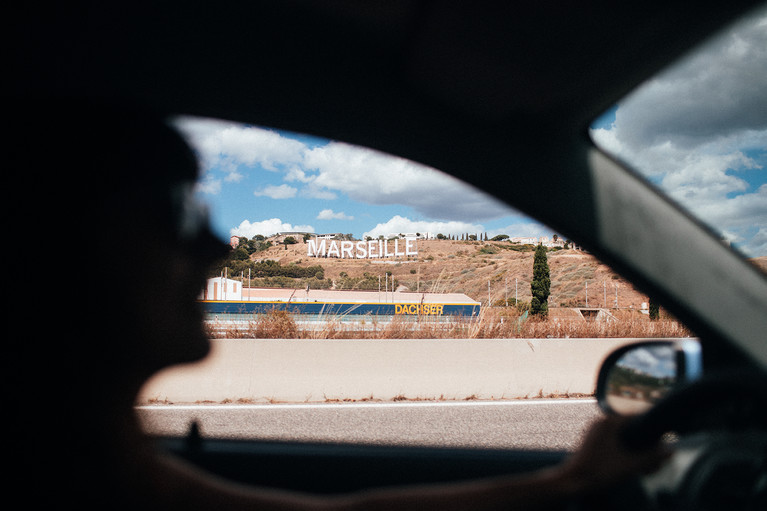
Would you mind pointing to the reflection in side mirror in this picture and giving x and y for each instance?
(636, 376)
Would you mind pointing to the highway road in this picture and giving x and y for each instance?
(555, 424)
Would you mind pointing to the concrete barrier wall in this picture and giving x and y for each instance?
(261, 370)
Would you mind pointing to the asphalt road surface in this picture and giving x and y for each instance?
(555, 424)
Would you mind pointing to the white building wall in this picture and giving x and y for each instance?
(524, 240)
(414, 235)
(219, 288)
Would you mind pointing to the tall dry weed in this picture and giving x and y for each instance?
(493, 323)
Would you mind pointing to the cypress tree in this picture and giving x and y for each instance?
(541, 283)
(654, 309)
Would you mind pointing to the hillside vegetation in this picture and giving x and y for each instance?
(483, 270)
(480, 269)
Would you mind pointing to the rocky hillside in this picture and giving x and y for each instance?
(468, 266)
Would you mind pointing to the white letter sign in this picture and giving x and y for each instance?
(371, 249)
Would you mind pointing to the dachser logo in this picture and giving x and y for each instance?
(419, 308)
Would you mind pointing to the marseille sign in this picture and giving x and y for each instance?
(371, 249)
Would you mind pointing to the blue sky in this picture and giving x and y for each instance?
(698, 131)
(658, 361)
(262, 181)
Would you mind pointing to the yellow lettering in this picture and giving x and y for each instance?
(426, 308)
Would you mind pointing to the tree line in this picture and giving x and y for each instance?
(272, 273)
(238, 263)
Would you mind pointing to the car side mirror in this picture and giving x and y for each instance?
(634, 377)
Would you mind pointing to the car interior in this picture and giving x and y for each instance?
(497, 94)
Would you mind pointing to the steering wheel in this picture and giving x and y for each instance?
(720, 458)
(721, 402)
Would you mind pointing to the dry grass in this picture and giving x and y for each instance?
(445, 266)
(482, 268)
(274, 325)
(495, 323)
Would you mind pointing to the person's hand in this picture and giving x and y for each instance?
(603, 460)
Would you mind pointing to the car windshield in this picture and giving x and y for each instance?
(698, 131)
(362, 278)
(403, 296)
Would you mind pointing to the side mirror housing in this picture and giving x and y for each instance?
(634, 377)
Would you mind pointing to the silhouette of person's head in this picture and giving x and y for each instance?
(130, 243)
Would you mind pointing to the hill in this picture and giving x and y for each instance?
(450, 266)
(761, 263)
(471, 267)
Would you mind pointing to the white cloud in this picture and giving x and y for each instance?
(372, 177)
(222, 144)
(234, 177)
(314, 192)
(267, 228)
(276, 192)
(523, 229)
(297, 174)
(693, 130)
(324, 172)
(758, 243)
(209, 185)
(717, 91)
(399, 224)
(329, 214)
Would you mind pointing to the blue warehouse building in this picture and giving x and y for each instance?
(227, 299)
